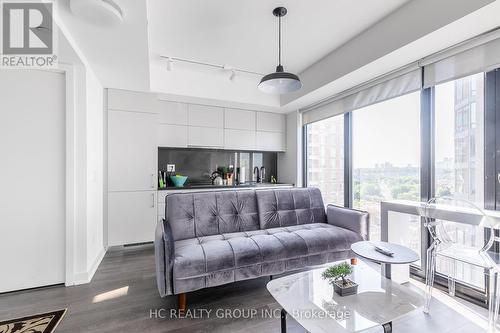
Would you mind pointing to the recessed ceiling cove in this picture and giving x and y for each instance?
(98, 12)
(244, 35)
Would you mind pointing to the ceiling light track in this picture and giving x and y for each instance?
(170, 60)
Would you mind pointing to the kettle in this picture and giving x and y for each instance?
(216, 179)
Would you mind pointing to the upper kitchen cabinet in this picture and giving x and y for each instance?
(173, 113)
(270, 141)
(205, 137)
(172, 136)
(270, 122)
(132, 101)
(173, 124)
(239, 119)
(271, 132)
(239, 139)
(205, 116)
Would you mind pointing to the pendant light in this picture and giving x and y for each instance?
(280, 82)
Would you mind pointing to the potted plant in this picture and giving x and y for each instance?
(337, 275)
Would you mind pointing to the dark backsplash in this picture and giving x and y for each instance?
(198, 164)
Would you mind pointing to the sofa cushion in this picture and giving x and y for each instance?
(202, 214)
(287, 207)
(202, 256)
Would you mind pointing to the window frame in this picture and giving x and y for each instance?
(347, 133)
(427, 168)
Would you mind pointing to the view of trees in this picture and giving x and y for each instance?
(383, 182)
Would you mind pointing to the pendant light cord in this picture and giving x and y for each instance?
(279, 40)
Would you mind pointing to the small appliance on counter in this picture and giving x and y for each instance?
(241, 175)
(216, 178)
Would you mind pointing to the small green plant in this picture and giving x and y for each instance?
(338, 272)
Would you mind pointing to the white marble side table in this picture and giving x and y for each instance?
(402, 255)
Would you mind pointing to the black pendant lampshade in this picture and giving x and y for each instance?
(280, 82)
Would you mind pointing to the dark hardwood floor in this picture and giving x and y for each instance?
(122, 297)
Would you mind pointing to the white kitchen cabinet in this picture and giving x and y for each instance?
(173, 113)
(132, 151)
(133, 101)
(239, 139)
(205, 137)
(270, 141)
(239, 119)
(270, 122)
(205, 115)
(131, 217)
(172, 136)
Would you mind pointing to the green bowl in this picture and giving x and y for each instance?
(178, 180)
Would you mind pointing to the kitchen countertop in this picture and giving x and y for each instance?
(208, 186)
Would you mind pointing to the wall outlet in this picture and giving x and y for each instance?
(170, 167)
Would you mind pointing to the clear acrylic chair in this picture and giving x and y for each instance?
(440, 217)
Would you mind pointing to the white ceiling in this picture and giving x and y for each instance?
(118, 52)
(325, 41)
(243, 33)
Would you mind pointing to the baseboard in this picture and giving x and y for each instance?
(86, 277)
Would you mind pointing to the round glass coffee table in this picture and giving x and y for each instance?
(401, 254)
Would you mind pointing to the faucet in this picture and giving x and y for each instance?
(256, 173)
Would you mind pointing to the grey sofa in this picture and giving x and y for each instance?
(213, 238)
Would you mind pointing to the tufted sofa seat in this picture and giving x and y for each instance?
(214, 238)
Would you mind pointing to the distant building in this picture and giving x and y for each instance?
(325, 158)
(468, 136)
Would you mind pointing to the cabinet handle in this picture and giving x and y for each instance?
(152, 180)
(153, 200)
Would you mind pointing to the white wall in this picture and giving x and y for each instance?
(290, 162)
(95, 168)
(88, 245)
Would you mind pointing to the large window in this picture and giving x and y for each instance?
(384, 151)
(459, 166)
(460, 138)
(386, 156)
(325, 158)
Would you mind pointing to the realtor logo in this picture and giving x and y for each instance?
(27, 34)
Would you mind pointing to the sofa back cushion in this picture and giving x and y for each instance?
(286, 207)
(201, 214)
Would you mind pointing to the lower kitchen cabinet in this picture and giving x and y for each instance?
(131, 217)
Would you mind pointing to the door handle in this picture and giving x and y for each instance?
(498, 177)
(152, 200)
(152, 180)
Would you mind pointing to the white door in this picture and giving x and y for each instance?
(32, 179)
(131, 217)
(132, 151)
